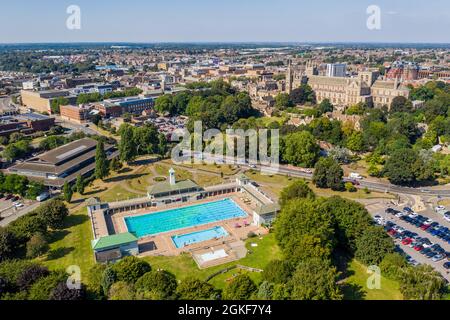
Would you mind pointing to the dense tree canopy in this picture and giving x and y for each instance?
(301, 149)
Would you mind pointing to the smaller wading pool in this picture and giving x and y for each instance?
(183, 240)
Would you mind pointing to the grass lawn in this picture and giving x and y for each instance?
(184, 266)
(355, 287)
(445, 202)
(72, 245)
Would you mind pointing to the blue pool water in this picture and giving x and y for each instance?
(195, 237)
(186, 217)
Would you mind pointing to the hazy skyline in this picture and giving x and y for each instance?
(227, 21)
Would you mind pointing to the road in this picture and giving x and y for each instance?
(369, 184)
(17, 214)
(74, 126)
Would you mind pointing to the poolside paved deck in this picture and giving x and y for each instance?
(162, 244)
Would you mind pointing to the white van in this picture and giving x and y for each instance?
(354, 175)
(42, 196)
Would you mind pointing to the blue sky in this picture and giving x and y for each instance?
(228, 20)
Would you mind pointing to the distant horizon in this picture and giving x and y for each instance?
(231, 21)
(228, 42)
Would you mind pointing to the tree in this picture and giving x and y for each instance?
(115, 165)
(302, 95)
(298, 189)
(351, 220)
(53, 213)
(421, 283)
(121, 290)
(328, 174)
(355, 142)
(64, 293)
(301, 149)
(240, 288)
(42, 288)
(315, 279)
(303, 230)
(164, 104)
(56, 103)
(392, 264)
(37, 246)
(79, 184)
(94, 280)
(4, 286)
(127, 149)
(265, 291)
(101, 161)
(373, 245)
(7, 243)
(405, 167)
(15, 184)
(17, 150)
(356, 109)
(67, 192)
(278, 271)
(109, 277)
(325, 106)
(30, 275)
(130, 269)
(156, 285)
(34, 190)
(341, 155)
(350, 187)
(162, 144)
(195, 289)
(27, 226)
(283, 101)
(401, 104)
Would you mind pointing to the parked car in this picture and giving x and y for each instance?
(437, 258)
(408, 210)
(447, 265)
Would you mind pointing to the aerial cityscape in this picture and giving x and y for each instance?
(224, 170)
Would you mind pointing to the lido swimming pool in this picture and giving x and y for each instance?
(184, 217)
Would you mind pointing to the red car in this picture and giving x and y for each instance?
(418, 248)
(392, 232)
(424, 227)
(407, 241)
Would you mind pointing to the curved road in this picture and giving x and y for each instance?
(371, 185)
